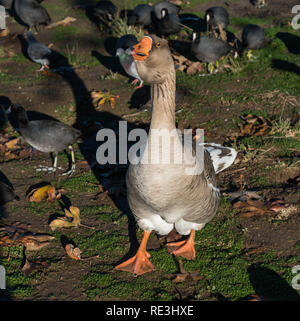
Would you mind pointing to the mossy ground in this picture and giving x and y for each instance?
(233, 259)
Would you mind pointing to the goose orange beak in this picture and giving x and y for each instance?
(142, 49)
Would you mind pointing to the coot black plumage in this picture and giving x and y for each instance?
(7, 4)
(168, 24)
(253, 37)
(104, 10)
(141, 15)
(209, 49)
(172, 8)
(48, 136)
(31, 13)
(217, 18)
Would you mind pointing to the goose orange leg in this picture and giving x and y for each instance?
(184, 248)
(138, 264)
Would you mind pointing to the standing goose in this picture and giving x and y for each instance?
(209, 49)
(47, 136)
(217, 18)
(126, 60)
(37, 51)
(31, 13)
(253, 37)
(167, 195)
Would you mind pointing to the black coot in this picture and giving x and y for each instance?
(48, 136)
(31, 13)
(168, 24)
(217, 18)
(141, 15)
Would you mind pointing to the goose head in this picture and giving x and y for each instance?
(153, 59)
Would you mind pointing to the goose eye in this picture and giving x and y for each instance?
(158, 44)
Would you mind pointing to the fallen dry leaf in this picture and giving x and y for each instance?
(73, 252)
(254, 126)
(38, 194)
(259, 207)
(18, 235)
(11, 144)
(72, 219)
(101, 97)
(4, 33)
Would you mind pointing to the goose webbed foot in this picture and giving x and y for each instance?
(138, 264)
(184, 248)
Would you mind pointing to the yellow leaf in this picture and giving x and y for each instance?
(12, 143)
(38, 194)
(102, 101)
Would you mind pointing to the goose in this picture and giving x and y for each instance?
(209, 49)
(123, 44)
(47, 136)
(37, 51)
(217, 18)
(163, 195)
(31, 13)
(253, 37)
(172, 8)
(168, 24)
(141, 15)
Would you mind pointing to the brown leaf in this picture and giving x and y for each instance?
(10, 145)
(18, 235)
(73, 252)
(73, 213)
(4, 33)
(29, 267)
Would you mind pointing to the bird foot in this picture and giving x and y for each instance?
(70, 172)
(135, 81)
(48, 169)
(184, 248)
(138, 264)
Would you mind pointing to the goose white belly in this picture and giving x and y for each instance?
(159, 206)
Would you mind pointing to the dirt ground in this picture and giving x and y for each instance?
(235, 253)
